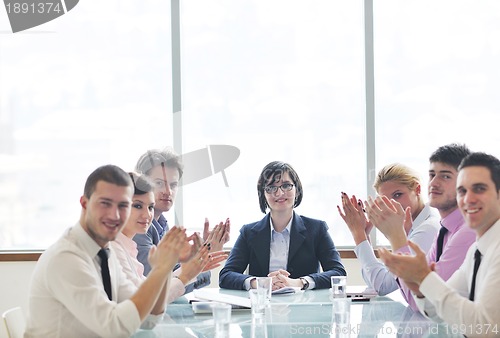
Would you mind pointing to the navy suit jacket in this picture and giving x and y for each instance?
(310, 246)
(150, 238)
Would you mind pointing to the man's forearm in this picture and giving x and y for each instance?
(161, 303)
(151, 290)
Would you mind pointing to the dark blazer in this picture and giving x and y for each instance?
(150, 238)
(310, 246)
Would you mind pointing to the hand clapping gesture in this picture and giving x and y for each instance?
(206, 257)
(190, 247)
(168, 251)
(391, 219)
(354, 216)
(218, 236)
(411, 269)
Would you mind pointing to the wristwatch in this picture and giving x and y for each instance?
(305, 283)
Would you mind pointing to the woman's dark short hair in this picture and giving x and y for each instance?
(142, 183)
(272, 173)
(107, 173)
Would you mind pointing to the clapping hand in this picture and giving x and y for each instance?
(169, 248)
(214, 260)
(195, 265)
(190, 247)
(218, 236)
(202, 261)
(354, 216)
(391, 219)
(411, 269)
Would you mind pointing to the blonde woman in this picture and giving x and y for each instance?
(401, 184)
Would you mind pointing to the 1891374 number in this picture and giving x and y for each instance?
(32, 8)
(472, 329)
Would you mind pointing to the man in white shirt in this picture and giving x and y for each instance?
(71, 294)
(468, 301)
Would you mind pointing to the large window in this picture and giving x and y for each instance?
(279, 80)
(436, 78)
(89, 88)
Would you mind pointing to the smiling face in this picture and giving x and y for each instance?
(442, 188)
(478, 198)
(104, 214)
(166, 181)
(141, 215)
(281, 200)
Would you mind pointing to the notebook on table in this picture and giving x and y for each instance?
(286, 290)
(236, 301)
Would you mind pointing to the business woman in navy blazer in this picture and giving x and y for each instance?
(284, 245)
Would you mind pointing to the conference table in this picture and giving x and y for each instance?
(311, 313)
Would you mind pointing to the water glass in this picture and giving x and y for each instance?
(341, 316)
(222, 318)
(339, 286)
(258, 299)
(341, 311)
(259, 327)
(267, 284)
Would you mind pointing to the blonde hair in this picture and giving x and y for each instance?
(398, 173)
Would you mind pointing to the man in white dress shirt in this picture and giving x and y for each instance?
(67, 296)
(468, 301)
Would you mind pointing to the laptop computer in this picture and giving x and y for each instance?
(360, 292)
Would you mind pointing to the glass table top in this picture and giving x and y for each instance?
(309, 313)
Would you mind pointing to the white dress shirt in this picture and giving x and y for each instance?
(375, 273)
(449, 301)
(67, 297)
(280, 244)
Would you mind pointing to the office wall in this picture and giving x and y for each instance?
(14, 283)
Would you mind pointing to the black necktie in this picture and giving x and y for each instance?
(477, 261)
(440, 240)
(106, 280)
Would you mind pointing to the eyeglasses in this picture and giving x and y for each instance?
(271, 189)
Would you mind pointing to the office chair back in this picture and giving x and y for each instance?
(15, 322)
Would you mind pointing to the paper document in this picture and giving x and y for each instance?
(285, 290)
(222, 298)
